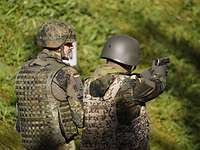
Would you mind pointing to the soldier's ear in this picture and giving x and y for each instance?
(61, 48)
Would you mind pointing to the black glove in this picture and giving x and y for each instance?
(147, 74)
(160, 71)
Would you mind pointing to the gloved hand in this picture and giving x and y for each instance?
(147, 74)
(160, 71)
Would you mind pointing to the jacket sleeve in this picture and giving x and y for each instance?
(75, 99)
(67, 86)
(149, 86)
(99, 86)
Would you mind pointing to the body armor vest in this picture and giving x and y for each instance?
(102, 129)
(135, 136)
(43, 120)
(100, 118)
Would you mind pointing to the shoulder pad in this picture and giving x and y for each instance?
(61, 78)
(99, 86)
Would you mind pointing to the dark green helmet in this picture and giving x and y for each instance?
(54, 34)
(123, 49)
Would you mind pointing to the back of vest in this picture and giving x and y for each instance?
(37, 109)
(100, 118)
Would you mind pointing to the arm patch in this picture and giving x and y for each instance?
(62, 79)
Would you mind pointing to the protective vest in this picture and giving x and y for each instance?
(102, 130)
(100, 118)
(135, 136)
(43, 120)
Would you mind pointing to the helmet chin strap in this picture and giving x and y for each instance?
(72, 58)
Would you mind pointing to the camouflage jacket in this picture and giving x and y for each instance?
(49, 101)
(132, 122)
(133, 93)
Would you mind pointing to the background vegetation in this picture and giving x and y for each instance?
(163, 27)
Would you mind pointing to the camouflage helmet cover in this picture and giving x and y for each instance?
(123, 49)
(54, 34)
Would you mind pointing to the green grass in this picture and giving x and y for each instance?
(10, 139)
(163, 27)
(7, 112)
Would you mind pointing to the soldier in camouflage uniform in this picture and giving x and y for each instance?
(114, 98)
(49, 92)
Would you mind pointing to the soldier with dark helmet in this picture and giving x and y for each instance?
(114, 98)
(49, 92)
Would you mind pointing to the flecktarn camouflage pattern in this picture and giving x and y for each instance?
(134, 137)
(43, 120)
(54, 34)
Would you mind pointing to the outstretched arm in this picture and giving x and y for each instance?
(151, 83)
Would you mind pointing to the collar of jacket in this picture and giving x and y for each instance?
(46, 57)
(105, 69)
(48, 54)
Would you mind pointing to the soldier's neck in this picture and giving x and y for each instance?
(112, 63)
(127, 70)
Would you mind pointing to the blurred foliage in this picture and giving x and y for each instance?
(164, 28)
(10, 140)
(6, 112)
